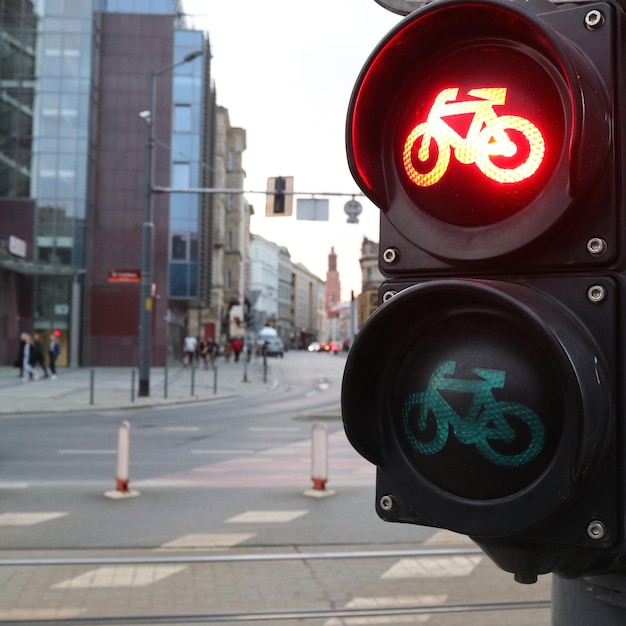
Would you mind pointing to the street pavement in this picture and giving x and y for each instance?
(84, 586)
(101, 388)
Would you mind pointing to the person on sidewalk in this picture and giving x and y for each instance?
(54, 352)
(19, 360)
(36, 354)
(189, 349)
(237, 348)
(30, 373)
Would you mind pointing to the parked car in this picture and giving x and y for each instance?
(275, 347)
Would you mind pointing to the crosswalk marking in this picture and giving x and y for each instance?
(40, 614)
(87, 452)
(433, 567)
(27, 519)
(120, 576)
(209, 540)
(388, 602)
(272, 517)
(220, 451)
(447, 536)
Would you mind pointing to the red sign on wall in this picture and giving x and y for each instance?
(124, 276)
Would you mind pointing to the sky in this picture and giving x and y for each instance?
(285, 70)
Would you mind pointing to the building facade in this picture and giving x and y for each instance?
(308, 305)
(83, 84)
(372, 279)
(285, 295)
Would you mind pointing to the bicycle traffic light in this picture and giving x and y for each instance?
(487, 387)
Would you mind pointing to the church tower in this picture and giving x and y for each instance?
(333, 285)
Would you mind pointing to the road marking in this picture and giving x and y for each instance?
(388, 603)
(271, 517)
(433, 567)
(27, 519)
(120, 576)
(447, 537)
(209, 540)
(40, 614)
(215, 451)
(271, 429)
(86, 451)
(8, 485)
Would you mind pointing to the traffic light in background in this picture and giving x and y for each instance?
(488, 387)
(279, 199)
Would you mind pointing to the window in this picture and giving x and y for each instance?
(179, 247)
(182, 118)
(181, 175)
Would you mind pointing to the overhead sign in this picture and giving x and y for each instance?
(312, 209)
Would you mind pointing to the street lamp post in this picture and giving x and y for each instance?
(147, 236)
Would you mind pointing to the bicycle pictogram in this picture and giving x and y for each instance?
(486, 423)
(489, 135)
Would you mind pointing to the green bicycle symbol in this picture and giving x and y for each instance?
(484, 424)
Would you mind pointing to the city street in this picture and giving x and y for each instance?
(220, 483)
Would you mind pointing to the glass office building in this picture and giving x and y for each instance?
(52, 132)
(185, 208)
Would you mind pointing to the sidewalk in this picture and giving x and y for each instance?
(112, 387)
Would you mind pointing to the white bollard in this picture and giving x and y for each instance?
(319, 462)
(122, 471)
(123, 457)
(319, 456)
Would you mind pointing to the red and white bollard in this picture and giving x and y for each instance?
(319, 456)
(122, 472)
(123, 457)
(319, 461)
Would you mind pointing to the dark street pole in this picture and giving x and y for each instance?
(147, 237)
(589, 601)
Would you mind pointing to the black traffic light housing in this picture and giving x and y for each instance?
(279, 198)
(487, 388)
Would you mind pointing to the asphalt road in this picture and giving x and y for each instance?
(229, 478)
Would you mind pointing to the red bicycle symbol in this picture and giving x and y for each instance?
(487, 137)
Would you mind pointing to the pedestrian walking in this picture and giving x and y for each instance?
(211, 350)
(19, 360)
(36, 354)
(54, 352)
(29, 372)
(237, 348)
(189, 349)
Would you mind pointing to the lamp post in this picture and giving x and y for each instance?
(147, 236)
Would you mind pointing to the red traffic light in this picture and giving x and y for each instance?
(487, 387)
(475, 127)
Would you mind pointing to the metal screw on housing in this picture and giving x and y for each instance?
(391, 255)
(388, 295)
(596, 246)
(596, 530)
(596, 293)
(388, 503)
(594, 19)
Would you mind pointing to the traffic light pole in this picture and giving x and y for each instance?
(147, 236)
(589, 601)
